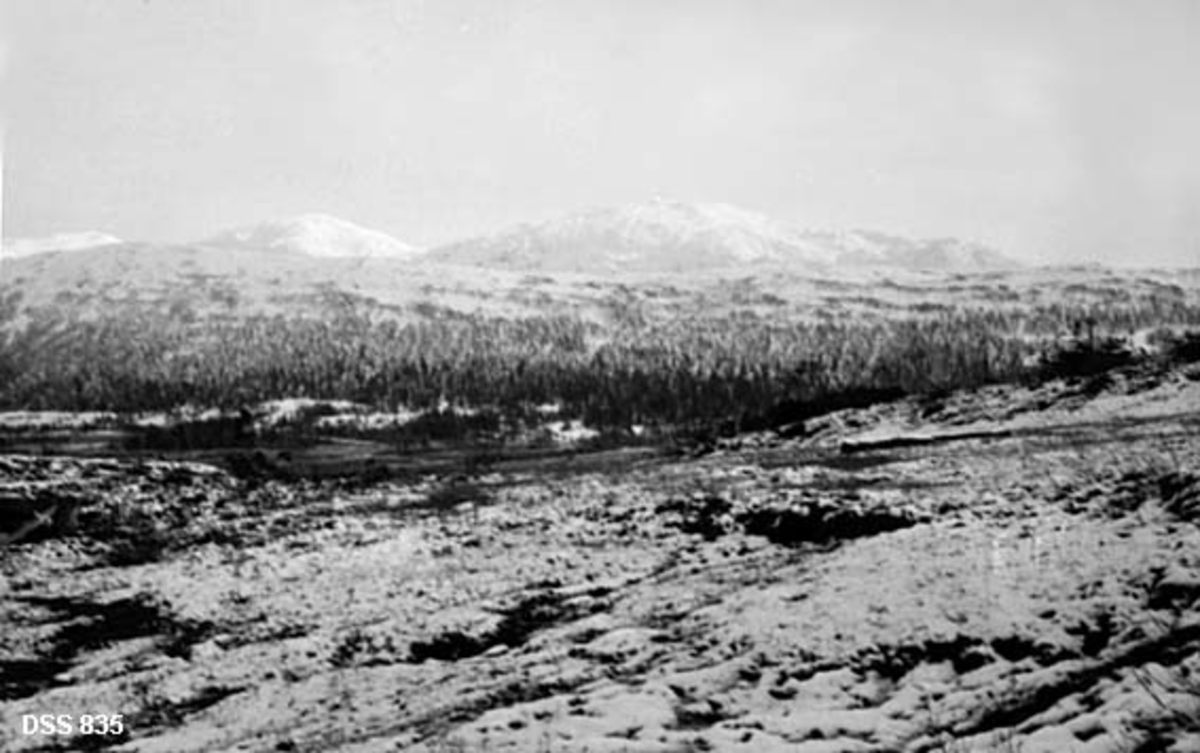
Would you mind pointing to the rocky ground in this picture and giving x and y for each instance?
(1013, 569)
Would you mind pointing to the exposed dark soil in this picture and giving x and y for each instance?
(84, 626)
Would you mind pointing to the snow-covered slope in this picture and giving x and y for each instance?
(314, 235)
(656, 236)
(17, 247)
(868, 249)
(669, 236)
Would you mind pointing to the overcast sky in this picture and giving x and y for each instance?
(1053, 130)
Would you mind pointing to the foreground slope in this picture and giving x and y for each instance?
(1013, 568)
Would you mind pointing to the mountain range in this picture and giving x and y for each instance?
(655, 237)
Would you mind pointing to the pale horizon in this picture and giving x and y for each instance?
(1055, 134)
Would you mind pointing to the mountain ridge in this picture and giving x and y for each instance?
(655, 237)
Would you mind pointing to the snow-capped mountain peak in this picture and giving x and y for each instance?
(314, 235)
(745, 235)
(17, 247)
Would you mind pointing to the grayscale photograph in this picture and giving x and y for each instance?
(600, 376)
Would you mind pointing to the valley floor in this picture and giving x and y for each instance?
(1012, 569)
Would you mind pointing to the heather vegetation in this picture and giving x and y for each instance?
(736, 371)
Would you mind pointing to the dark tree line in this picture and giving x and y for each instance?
(684, 372)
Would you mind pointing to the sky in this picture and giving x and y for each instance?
(1059, 131)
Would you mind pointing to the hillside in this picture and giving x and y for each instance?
(194, 283)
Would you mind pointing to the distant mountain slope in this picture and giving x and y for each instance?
(313, 235)
(669, 236)
(17, 247)
(657, 236)
(865, 248)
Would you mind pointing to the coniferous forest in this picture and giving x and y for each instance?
(733, 371)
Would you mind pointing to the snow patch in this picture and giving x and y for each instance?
(367, 421)
(569, 432)
(274, 413)
(56, 419)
